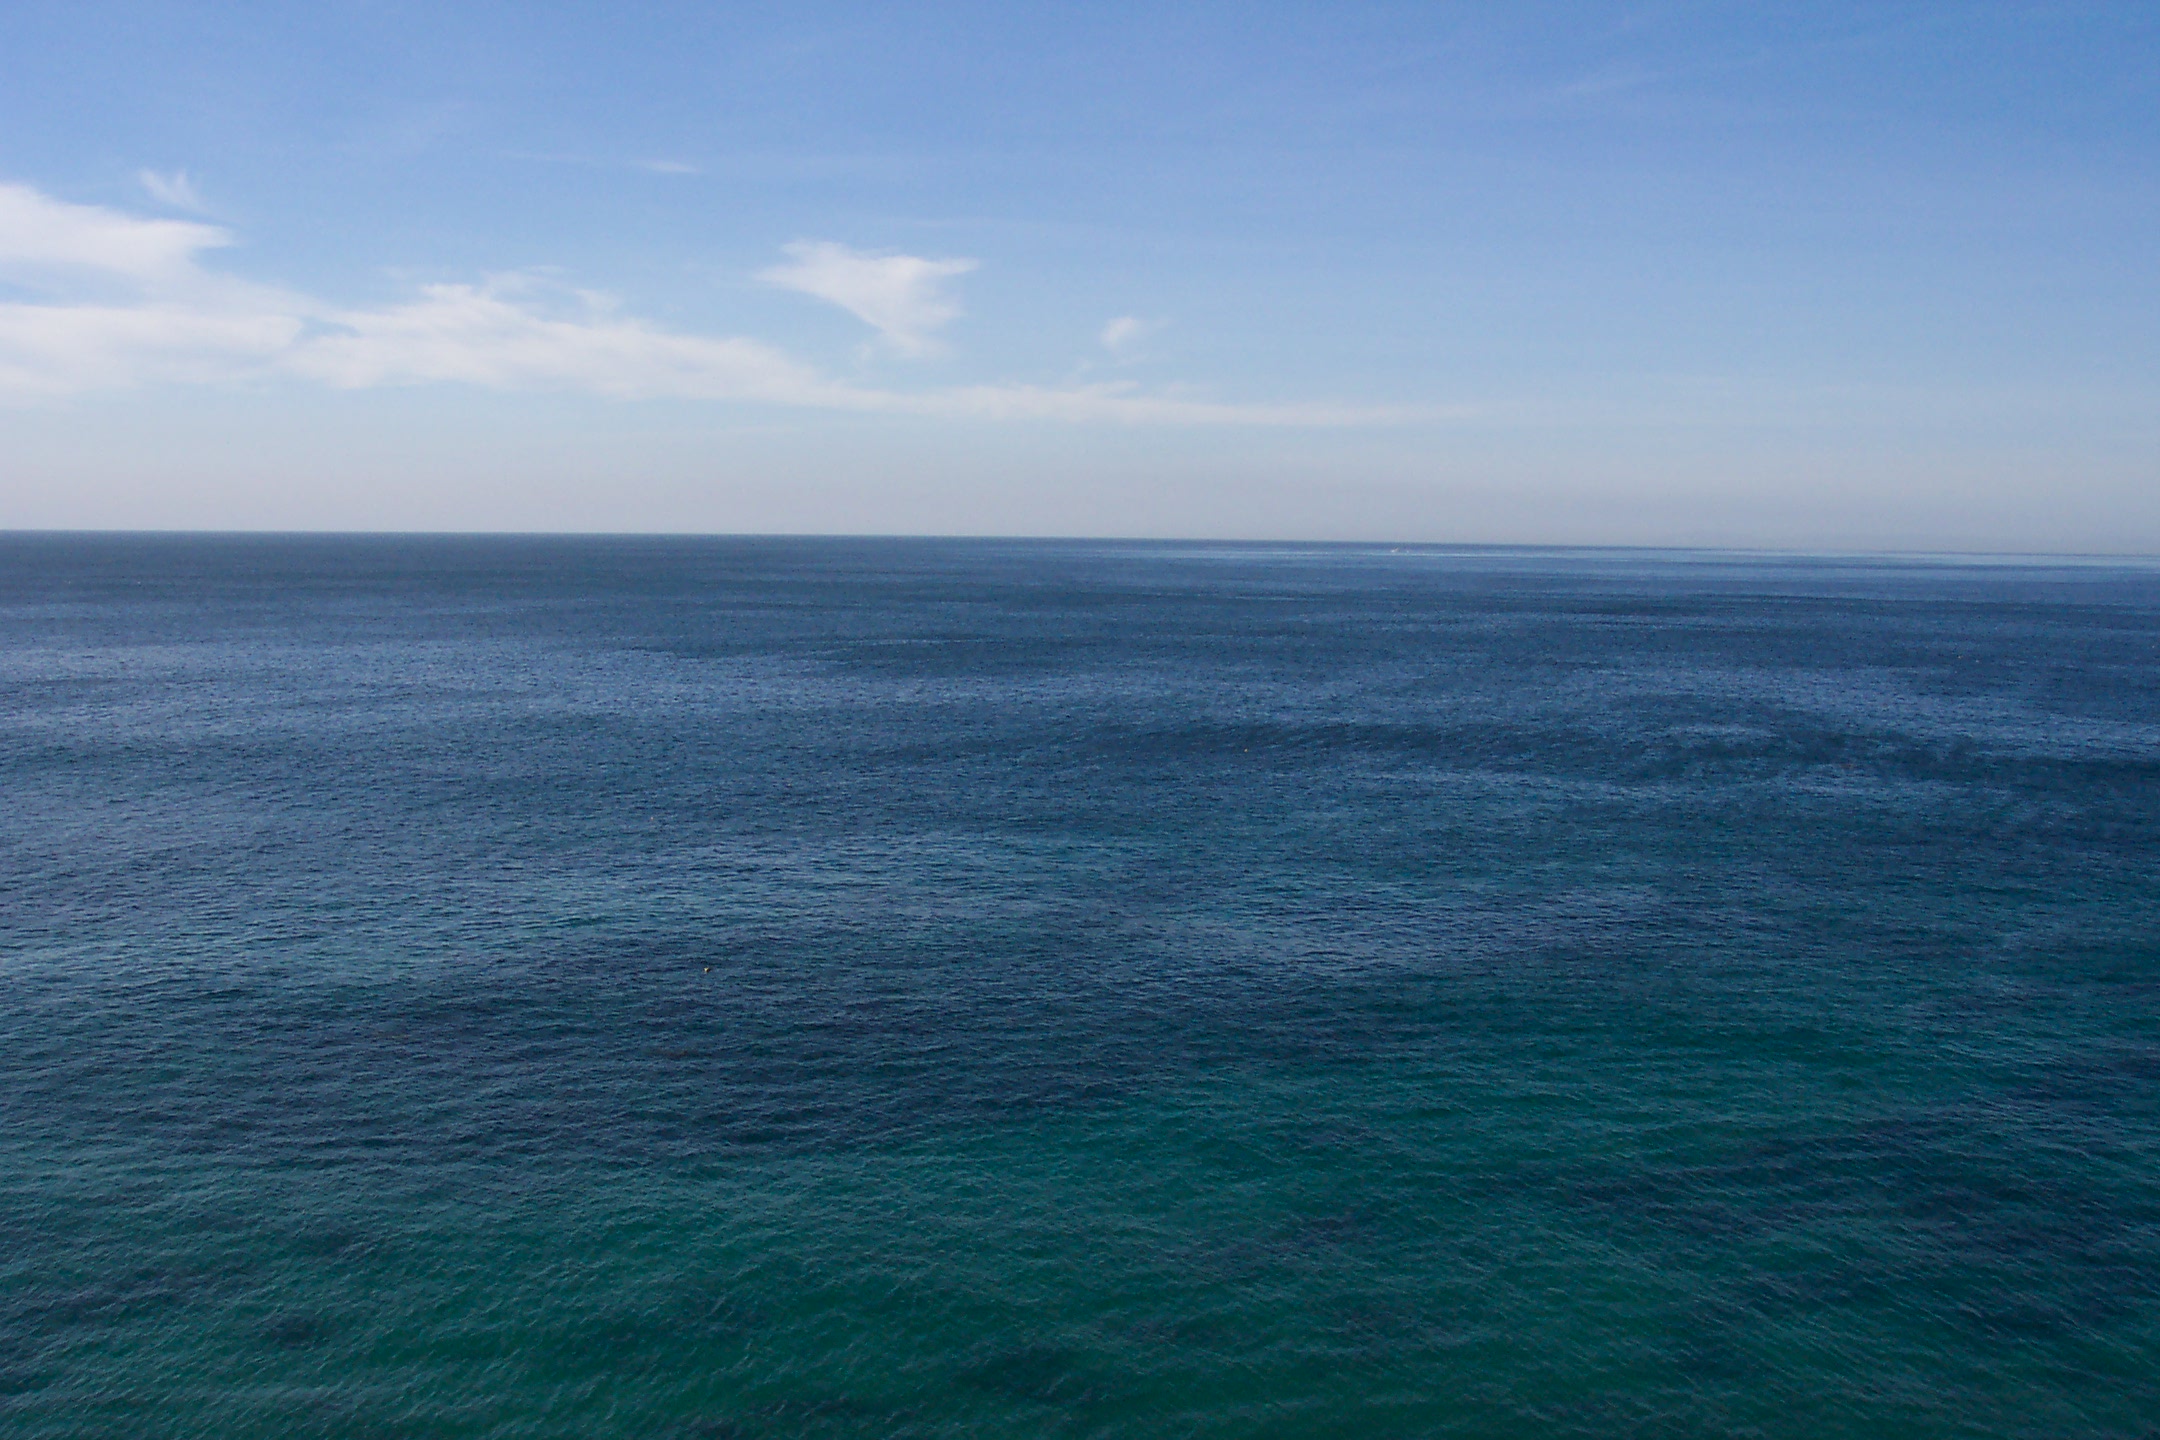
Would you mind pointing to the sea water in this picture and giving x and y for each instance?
(504, 987)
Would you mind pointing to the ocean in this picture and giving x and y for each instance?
(519, 987)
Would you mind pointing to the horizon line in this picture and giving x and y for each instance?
(1253, 542)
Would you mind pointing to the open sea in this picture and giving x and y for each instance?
(717, 989)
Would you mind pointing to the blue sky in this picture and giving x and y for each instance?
(1875, 276)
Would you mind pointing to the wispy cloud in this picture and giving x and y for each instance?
(902, 297)
(49, 351)
(176, 190)
(1123, 333)
(665, 167)
(125, 300)
(39, 233)
(519, 333)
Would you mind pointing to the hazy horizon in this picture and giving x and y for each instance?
(1257, 543)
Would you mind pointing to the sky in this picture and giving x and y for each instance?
(1873, 276)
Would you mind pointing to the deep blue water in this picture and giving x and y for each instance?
(738, 988)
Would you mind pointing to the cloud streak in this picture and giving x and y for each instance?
(125, 300)
(176, 190)
(502, 336)
(39, 233)
(902, 297)
(1121, 334)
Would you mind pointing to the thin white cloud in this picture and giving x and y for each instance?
(1121, 334)
(39, 233)
(124, 301)
(501, 336)
(666, 167)
(54, 350)
(176, 190)
(902, 297)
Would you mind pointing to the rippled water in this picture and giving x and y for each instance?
(532, 987)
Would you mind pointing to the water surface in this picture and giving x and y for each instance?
(740, 988)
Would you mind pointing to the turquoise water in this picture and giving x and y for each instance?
(531, 987)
